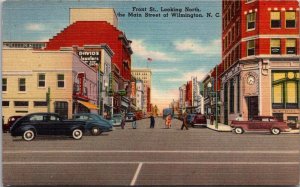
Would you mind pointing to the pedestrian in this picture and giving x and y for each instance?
(211, 118)
(123, 121)
(168, 121)
(133, 123)
(152, 121)
(184, 122)
(239, 118)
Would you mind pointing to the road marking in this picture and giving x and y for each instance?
(137, 172)
(204, 163)
(149, 151)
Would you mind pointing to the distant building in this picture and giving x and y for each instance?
(33, 45)
(139, 94)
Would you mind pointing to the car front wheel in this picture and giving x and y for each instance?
(275, 131)
(238, 130)
(28, 135)
(95, 131)
(77, 134)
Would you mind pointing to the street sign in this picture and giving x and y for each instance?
(122, 92)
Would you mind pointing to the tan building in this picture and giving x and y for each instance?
(94, 14)
(146, 76)
(27, 76)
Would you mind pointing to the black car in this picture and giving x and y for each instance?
(36, 124)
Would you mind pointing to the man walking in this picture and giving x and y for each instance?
(184, 122)
(152, 121)
(133, 122)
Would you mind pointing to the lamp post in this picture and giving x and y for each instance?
(212, 91)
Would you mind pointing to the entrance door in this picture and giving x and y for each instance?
(252, 107)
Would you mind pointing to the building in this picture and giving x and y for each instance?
(37, 81)
(92, 27)
(139, 94)
(33, 45)
(144, 75)
(260, 59)
(189, 94)
(182, 97)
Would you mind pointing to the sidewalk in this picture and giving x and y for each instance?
(221, 127)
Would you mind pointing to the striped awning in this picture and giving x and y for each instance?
(88, 105)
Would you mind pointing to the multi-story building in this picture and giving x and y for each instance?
(139, 94)
(92, 27)
(28, 76)
(144, 75)
(260, 57)
(182, 97)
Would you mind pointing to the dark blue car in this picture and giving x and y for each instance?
(95, 124)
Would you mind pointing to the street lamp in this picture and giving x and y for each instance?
(210, 85)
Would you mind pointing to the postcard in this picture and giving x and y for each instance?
(148, 92)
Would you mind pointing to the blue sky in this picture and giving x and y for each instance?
(180, 47)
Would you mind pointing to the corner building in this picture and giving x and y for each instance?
(260, 59)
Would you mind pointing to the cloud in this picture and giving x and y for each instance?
(140, 49)
(164, 70)
(35, 27)
(199, 47)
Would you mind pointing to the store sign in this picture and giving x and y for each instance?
(91, 58)
(133, 90)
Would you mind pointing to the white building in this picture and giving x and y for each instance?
(139, 95)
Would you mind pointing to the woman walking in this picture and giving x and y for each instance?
(168, 121)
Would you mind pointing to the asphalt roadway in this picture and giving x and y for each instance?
(159, 156)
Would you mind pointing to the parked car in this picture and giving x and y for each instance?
(117, 119)
(199, 120)
(260, 124)
(11, 120)
(36, 124)
(95, 124)
(130, 117)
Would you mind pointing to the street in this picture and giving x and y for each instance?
(159, 156)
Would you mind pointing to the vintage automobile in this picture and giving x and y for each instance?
(260, 124)
(36, 124)
(130, 117)
(198, 120)
(189, 118)
(95, 124)
(117, 119)
(11, 120)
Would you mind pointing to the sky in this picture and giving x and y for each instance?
(180, 47)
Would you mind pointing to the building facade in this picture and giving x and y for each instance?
(260, 57)
(29, 76)
(139, 95)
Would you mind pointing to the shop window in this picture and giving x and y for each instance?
(61, 108)
(290, 46)
(5, 103)
(251, 18)
(290, 19)
(250, 48)
(21, 103)
(285, 89)
(4, 84)
(22, 84)
(238, 93)
(60, 80)
(275, 46)
(41, 80)
(40, 103)
(275, 20)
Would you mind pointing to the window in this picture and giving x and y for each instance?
(36, 118)
(290, 46)
(275, 20)
(250, 48)
(21, 103)
(5, 103)
(41, 80)
(4, 84)
(275, 46)
(231, 88)
(22, 84)
(290, 19)
(251, 21)
(285, 89)
(60, 80)
(40, 103)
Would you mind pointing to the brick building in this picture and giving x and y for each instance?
(260, 59)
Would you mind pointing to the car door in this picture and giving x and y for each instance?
(39, 121)
(59, 127)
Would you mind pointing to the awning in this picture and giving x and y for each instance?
(88, 105)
